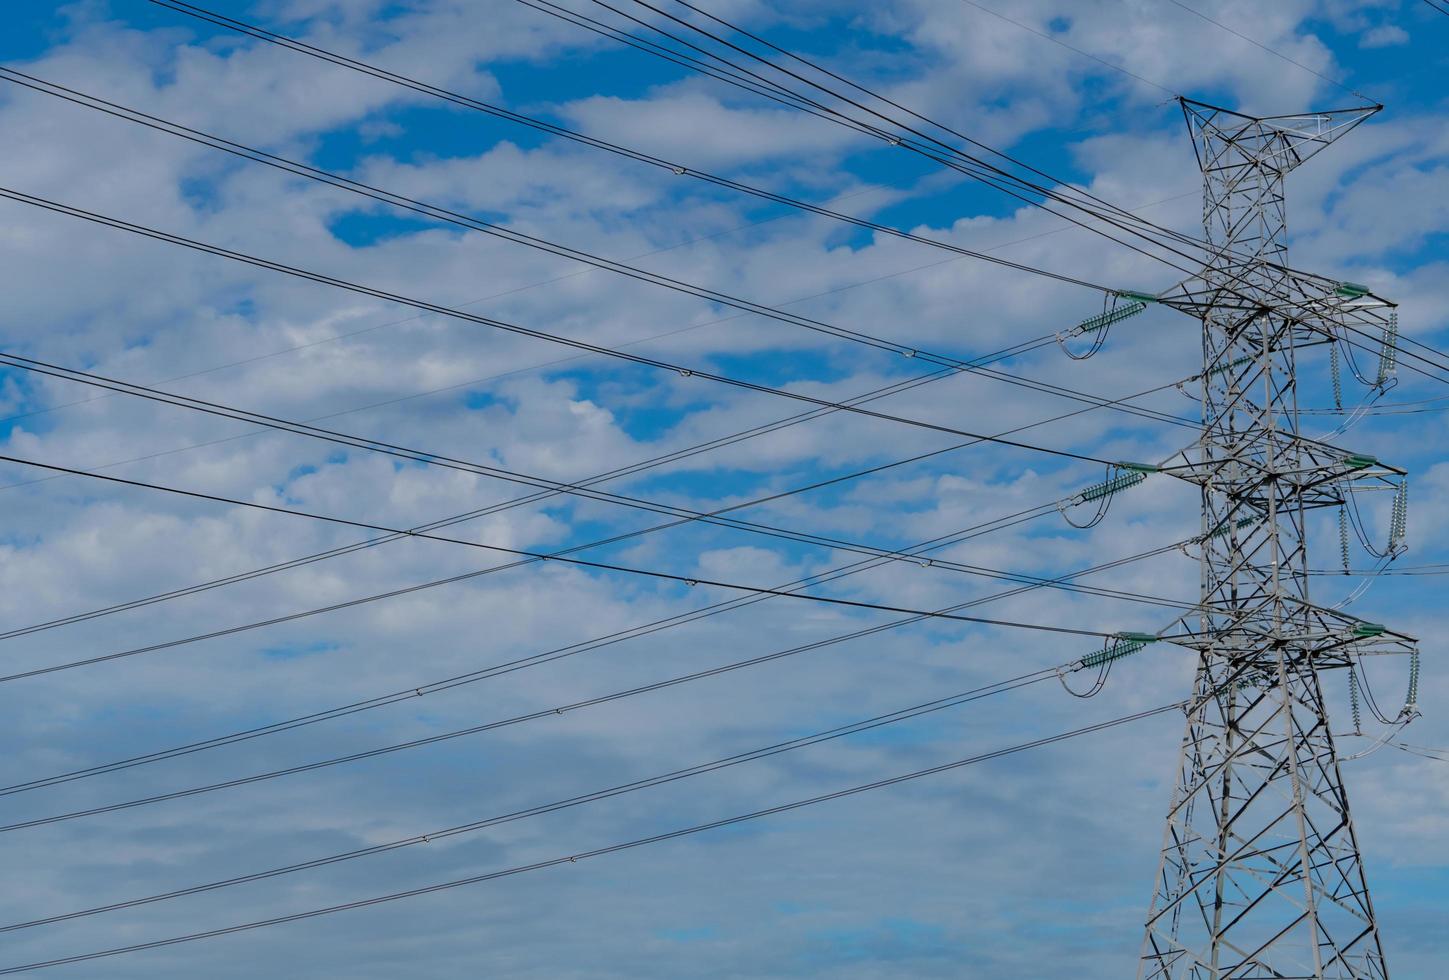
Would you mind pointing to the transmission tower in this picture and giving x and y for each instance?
(1261, 873)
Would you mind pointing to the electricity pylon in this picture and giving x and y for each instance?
(1261, 874)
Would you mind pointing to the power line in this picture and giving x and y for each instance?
(509, 292)
(478, 729)
(917, 550)
(1098, 207)
(600, 851)
(472, 223)
(778, 748)
(982, 170)
(642, 360)
(559, 131)
(465, 466)
(517, 552)
(365, 68)
(1072, 48)
(1275, 53)
(958, 160)
(518, 501)
(589, 646)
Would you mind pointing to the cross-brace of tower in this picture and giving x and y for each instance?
(1261, 873)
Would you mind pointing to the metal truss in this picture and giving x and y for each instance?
(1261, 875)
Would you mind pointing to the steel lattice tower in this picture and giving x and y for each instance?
(1261, 874)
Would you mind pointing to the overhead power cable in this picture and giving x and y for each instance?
(920, 550)
(167, 237)
(1072, 48)
(1275, 53)
(564, 133)
(632, 469)
(478, 729)
(472, 223)
(574, 858)
(1117, 216)
(1010, 184)
(957, 159)
(479, 469)
(518, 501)
(536, 284)
(633, 786)
(1078, 198)
(517, 552)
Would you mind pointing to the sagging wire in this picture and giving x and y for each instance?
(1120, 476)
(1423, 751)
(1369, 577)
(1100, 325)
(1122, 645)
(1233, 365)
(1358, 688)
(1389, 355)
(1410, 709)
(1398, 522)
(1348, 513)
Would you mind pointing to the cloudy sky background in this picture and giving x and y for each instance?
(1039, 865)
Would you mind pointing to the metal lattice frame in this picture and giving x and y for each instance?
(1261, 874)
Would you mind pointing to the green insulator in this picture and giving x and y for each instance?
(1137, 467)
(1237, 525)
(1369, 629)
(1117, 650)
(1351, 290)
(1136, 297)
(1232, 366)
(1109, 487)
(1358, 461)
(1110, 317)
(1343, 537)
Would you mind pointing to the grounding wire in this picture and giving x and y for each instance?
(600, 851)
(1214, 250)
(991, 180)
(1277, 54)
(1063, 44)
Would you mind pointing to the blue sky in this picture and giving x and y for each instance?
(1036, 865)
